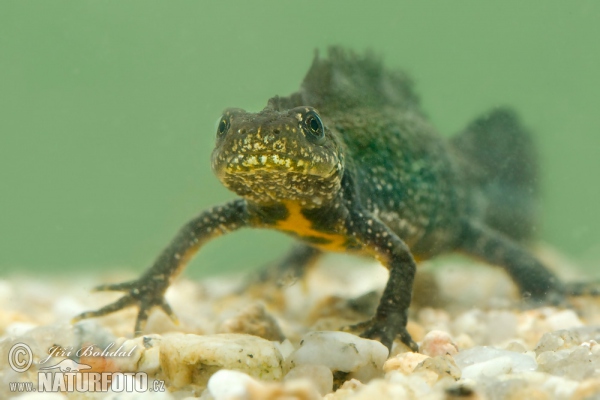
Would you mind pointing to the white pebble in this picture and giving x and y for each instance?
(341, 351)
(285, 348)
(143, 354)
(565, 319)
(17, 329)
(438, 343)
(320, 376)
(229, 385)
(501, 326)
(483, 361)
(404, 362)
(67, 307)
(191, 359)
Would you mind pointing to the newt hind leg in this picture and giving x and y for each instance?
(267, 283)
(291, 267)
(536, 282)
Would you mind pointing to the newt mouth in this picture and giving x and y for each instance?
(270, 162)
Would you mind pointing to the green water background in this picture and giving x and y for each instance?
(108, 110)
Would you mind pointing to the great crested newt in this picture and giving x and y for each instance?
(349, 163)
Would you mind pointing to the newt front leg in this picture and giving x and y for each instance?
(391, 316)
(147, 292)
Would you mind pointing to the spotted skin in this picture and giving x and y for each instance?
(349, 163)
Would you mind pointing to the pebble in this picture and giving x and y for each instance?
(485, 362)
(404, 362)
(228, 385)
(19, 328)
(440, 366)
(438, 343)
(320, 376)
(67, 307)
(235, 385)
(578, 363)
(564, 319)
(587, 390)
(144, 354)
(341, 351)
(187, 359)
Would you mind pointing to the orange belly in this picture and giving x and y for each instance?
(297, 224)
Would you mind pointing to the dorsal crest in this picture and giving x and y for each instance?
(344, 80)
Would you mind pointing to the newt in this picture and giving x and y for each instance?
(350, 163)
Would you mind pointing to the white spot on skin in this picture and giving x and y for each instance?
(275, 158)
(252, 160)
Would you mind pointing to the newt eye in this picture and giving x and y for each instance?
(223, 125)
(314, 126)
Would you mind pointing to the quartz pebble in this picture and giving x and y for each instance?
(235, 385)
(578, 363)
(484, 362)
(320, 376)
(564, 319)
(143, 354)
(438, 343)
(404, 362)
(227, 385)
(440, 366)
(565, 339)
(191, 359)
(341, 351)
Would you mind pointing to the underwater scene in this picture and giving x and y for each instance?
(316, 200)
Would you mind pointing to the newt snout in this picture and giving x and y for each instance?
(274, 156)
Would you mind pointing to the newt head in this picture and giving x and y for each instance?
(274, 156)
